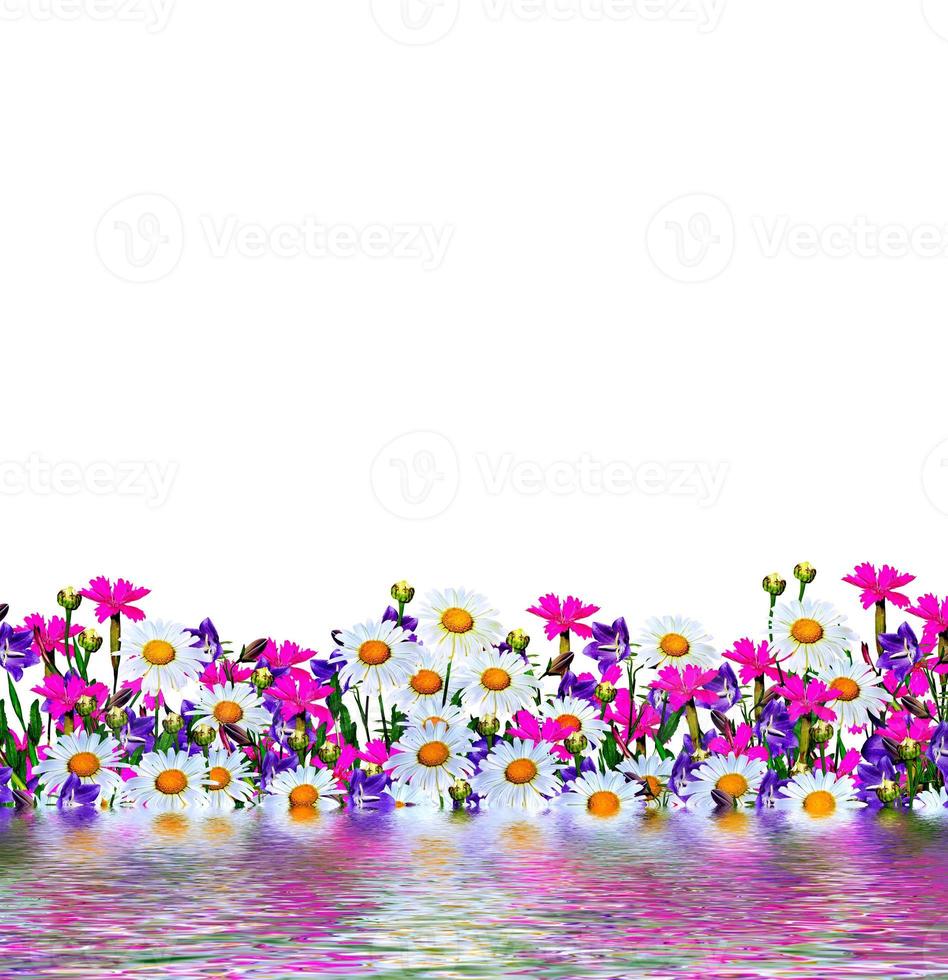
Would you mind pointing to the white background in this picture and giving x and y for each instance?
(578, 314)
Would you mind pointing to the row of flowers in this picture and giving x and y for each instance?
(444, 708)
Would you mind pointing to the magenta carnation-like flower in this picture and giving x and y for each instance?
(561, 616)
(756, 659)
(115, 600)
(881, 585)
(803, 698)
(684, 685)
(934, 612)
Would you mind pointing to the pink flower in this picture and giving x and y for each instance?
(935, 613)
(115, 601)
(298, 695)
(684, 685)
(739, 744)
(47, 638)
(756, 659)
(375, 752)
(62, 693)
(847, 765)
(633, 723)
(881, 585)
(529, 728)
(562, 616)
(812, 697)
(901, 725)
(216, 673)
(286, 656)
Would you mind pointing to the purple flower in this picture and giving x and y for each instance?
(365, 792)
(208, 640)
(610, 644)
(727, 689)
(408, 622)
(776, 729)
(273, 765)
(6, 794)
(938, 748)
(578, 687)
(900, 651)
(769, 791)
(16, 650)
(74, 792)
(874, 750)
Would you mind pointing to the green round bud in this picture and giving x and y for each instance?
(576, 743)
(89, 640)
(821, 732)
(606, 693)
(85, 705)
(173, 724)
(261, 678)
(909, 749)
(518, 640)
(298, 741)
(888, 791)
(488, 725)
(774, 584)
(403, 592)
(69, 598)
(372, 769)
(203, 735)
(460, 791)
(116, 718)
(329, 753)
(804, 572)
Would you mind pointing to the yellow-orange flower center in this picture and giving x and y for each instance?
(433, 754)
(603, 804)
(733, 783)
(820, 803)
(654, 785)
(495, 679)
(846, 687)
(426, 682)
(521, 771)
(433, 720)
(374, 652)
(304, 796)
(569, 721)
(674, 645)
(171, 782)
(84, 764)
(228, 712)
(456, 620)
(806, 631)
(220, 778)
(158, 652)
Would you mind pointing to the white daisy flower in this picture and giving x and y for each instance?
(169, 780)
(674, 640)
(305, 786)
(859, 691)
(810, 635)
(231, 704)
(579, 716)
(406, 795)
(496, 683)
(733, 774)
(226, 775)
(932, 802)
(602, 794)
(431, 756)
(651, 771)
(458, 621)
(451, 715)
(379, 655)
(517, 774)
(160, 654)
(87, 756)
(818, 794)
(427, 685)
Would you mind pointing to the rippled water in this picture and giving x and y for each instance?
(263, 893)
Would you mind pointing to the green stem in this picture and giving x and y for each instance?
(691, 713)
(115, 643)
(880, 623)
(804, 751)
(388, 744)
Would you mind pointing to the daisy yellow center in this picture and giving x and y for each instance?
(304, 796)
(399, 805)
(603, 804)
(228, 712)
(220, 778)
(521, 771)
(733, 783)
(806, 631)
(426, 682)
(495, 679)
(374, 652)
(433, 754)
(654, 785)
(674, 645)
(569, 721)
(820, 803)
(158, 652)
(84, 764)
(456, 620)
(433, 720)
(171, 782)
(847, 689)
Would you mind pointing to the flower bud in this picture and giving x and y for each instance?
(403, 592)
(261, 678)
(372, 769)
(915, 707)
(804, 572)
(821, 732)
(909, 749)
(298, 741)
(722, 723)
(723, 800)
(606, 693)
(116, 718)
(203, 735)
(518, 640)
(460, 791)
(488, 725)
(576, 743)
(121, 698)
(89, 640)
(562, 664)
(237, 735)
(69, 598)
(4, 609)
(85, 705)
(253, 651)
(774, 584)
(329, 753)
(888, 791)
(173, 723)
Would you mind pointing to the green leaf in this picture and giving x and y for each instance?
(667, 731)
(15, 701)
